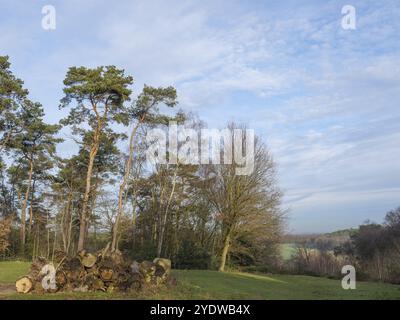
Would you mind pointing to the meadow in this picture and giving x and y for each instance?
(205, 284)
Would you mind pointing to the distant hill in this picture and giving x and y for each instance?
(338, 235)
(317, 241)
(341, 233)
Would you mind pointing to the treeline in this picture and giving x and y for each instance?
(319, 241)
(373, 249)
(199, 216)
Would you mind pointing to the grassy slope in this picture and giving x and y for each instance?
(252, 286)
(196, 284)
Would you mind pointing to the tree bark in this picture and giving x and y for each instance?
(128, 166)
(134, 221)
(84, 215)
(224, 252)
(31, 208)
(24, 206)
(164, 222)
(93, 152)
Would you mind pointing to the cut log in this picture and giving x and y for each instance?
(107, 270)
(94, 272)
(61, 279)
(73, 269)
(98, 285)
(88, 260)
(125, 279)
(81, 253)
(106, 273)
(24, 284)
(38, 288)
(147, 270)
(103, 271)
(163, 267)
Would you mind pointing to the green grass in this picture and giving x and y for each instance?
(254, 286)
(10, 271)
(200, 284)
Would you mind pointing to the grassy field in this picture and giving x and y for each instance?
(11, 270)
(198, 284)
(287, 250)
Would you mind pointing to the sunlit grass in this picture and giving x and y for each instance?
(212, 285)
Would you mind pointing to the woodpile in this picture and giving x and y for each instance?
(101, 271)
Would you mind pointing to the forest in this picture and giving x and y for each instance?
(201, 216)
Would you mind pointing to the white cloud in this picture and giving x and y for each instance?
(326, 99)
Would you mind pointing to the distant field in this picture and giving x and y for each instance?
(287, 250)
(200, 284)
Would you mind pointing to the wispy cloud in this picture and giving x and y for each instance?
(325, 99)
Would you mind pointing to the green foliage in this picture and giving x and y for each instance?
(192, 256)
(36, 137)
(11, 88)
(5, 230)
(35, 143)
(146, 107)
(99, 93)
(12, 99)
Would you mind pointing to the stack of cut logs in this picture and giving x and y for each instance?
(103, 271)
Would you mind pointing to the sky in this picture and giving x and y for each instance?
(326, 100)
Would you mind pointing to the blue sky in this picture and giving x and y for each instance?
(325, 99)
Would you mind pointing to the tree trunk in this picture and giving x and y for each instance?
(134, 223)
(24, 206)
(31, 208)
(62, 226)
(164, 222)
(24, 284)
(128, 166)
(84, 215)
(70, 212)
(30, 219)
(224, 253)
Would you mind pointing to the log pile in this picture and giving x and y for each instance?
(101, 271)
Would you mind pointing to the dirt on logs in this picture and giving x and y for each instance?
(102, 271)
